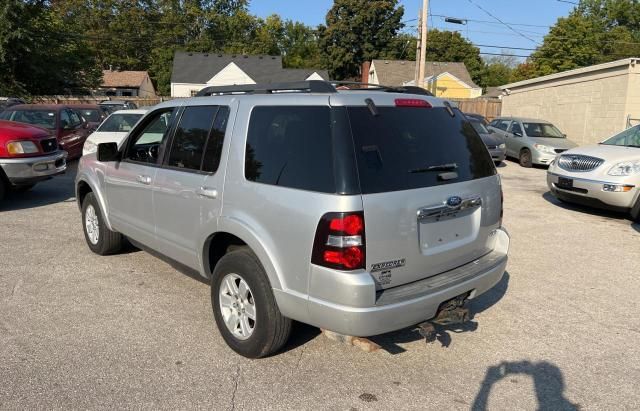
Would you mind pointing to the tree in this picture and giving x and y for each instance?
(596, 31)
(498, 70)
(451, 46)
(300, 47)
(357, 31)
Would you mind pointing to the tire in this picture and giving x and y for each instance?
(269, 330)
(23, 188)
(635, 211)
(525, 158)
(104, 241)
(3, 188)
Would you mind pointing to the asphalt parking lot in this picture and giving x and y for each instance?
(560, 331)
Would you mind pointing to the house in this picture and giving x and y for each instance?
(443, 79)
(588, 104)
(127, 84)
(194, 71)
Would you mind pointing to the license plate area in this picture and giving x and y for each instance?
(447, 231)
(564, 182)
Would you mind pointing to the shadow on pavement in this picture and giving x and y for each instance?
(56, 190)
(389, 342)
(547, 379)
(636, 227)
(584, 209)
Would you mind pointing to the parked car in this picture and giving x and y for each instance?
(495, 144)
(28, 155)
(478, 117)
(113, 129)
(61, 121)
(92, 113)
(360, 212)
(6, 102)
(114, 105)
(531, 141)
(606, 175)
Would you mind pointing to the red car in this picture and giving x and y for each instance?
(92, 113)
(28, 155)
(64, 122)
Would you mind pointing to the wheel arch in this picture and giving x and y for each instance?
(83, 187)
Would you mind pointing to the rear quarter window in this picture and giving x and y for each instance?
(389, 146)
(291, 146)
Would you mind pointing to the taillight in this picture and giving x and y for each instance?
(412, 102)
(340, 241)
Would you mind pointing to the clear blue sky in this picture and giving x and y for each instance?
(488, 31)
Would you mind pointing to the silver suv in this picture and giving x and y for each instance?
(356, 211)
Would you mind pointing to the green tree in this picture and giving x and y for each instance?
(357, 31)
(300, 47)
(596, 31)
(451, 46)
(498, 70)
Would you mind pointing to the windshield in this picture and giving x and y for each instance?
(41, 118)
(92, 115)
(628, 138)
(122, 123)
(542, 130)
(408, 148)
(478, 126)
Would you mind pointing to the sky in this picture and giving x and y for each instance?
(529, 19)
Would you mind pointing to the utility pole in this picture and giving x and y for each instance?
(423, 43)
(417, 74)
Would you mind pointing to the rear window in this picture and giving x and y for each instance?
(291, 146)
(91, 115)
(392, 147)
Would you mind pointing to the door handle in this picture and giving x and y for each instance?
(143, 179)
(207, 192)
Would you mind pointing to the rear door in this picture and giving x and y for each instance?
(187, 189)
(430, 192)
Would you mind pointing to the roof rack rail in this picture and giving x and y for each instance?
(390, 89)
(311, 86)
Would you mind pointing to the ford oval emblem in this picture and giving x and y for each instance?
(454, 201)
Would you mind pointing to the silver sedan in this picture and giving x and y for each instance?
(606, 175)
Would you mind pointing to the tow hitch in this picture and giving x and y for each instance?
(450, 312)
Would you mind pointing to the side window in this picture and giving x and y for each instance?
(75, 118)
(503, 124)
(145, 144)
(290, 147)
(190, 138)
(515, 128)
(213, 151)
(65, 120)
(494, 123)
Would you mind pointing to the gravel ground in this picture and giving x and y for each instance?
(560, 331)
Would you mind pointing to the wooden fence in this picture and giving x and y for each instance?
(489, 108)
(71, 100)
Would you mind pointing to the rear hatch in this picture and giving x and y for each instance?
(430, 192)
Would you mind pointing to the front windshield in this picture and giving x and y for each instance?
(122, 123)
(478, 126)
(542, 130)
(91, 114)
(629, 138)
(41, 118)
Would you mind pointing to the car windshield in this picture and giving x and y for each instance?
(542, 130)
(119, 122)
(478, 126)
(628, 138)
(91, 114)
(41, 118)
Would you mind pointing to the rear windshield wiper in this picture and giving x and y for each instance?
(439, 167)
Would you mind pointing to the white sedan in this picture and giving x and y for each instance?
(113, 129)
(606, 175)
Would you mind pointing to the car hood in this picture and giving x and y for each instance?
(107, 137)
(614, 154)
(491, 139)
(554, 142)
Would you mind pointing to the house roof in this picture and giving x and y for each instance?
(114, 78)
(574, 72)
(198, 68)
(397, 72)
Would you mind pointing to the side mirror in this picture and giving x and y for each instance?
(517, 134)
(108, 152)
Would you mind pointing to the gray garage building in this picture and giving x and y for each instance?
(588, 104)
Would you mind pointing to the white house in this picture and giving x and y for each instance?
(194, 71)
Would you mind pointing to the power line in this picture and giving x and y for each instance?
(493, 22)
(502, 22)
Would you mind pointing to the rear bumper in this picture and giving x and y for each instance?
(590, 193)
(402, 306)
(29, 170)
